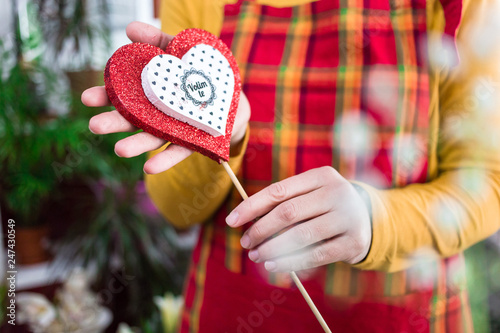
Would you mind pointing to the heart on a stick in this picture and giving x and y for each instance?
(187, 94)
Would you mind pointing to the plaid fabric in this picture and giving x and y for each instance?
(330, 83)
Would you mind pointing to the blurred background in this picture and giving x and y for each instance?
(91, 250)
(92, 253)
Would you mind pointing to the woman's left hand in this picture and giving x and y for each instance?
(309, 220)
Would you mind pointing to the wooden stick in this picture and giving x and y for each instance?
(235, 180)
(294, 276)
(310, 302)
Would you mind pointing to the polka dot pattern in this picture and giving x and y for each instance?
(193, 89)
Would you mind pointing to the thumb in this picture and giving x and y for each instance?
(139, 32)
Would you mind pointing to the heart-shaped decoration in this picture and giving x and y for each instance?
(187, 94)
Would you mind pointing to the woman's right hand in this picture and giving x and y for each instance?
(139, 143)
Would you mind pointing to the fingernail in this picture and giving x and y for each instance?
(90, 124)
(270, 266)
(254, 255)
(245, 241)
(144, 170)
(232, 218)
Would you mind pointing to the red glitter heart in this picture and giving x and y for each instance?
(122, 78)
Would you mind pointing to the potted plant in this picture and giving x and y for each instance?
(32, 141)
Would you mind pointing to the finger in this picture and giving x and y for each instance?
(110, 122)
(303, 207)
(138, 144)
(95, 97)
(299, 237)
(144, 33)
(163, 161)
(265, 200)
(328, 252)
(241, 120)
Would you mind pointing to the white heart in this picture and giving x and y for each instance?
(197, 89)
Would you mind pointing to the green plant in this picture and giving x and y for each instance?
(31, 141)
(40, 151)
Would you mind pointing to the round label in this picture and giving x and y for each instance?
(198, 87)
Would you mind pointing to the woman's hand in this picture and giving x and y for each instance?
(113, 122)
(308, 220)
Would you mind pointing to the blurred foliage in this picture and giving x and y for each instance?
(483, 285)
(40, 151)
(29, 144)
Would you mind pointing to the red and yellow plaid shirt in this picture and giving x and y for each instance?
(345, 84)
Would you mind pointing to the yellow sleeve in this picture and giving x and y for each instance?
(191, 192)
(177, 15)
(462, 205)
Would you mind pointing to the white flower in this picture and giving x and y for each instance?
(124, 328)
(35, 309)
(76, 309)
(170, 308)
